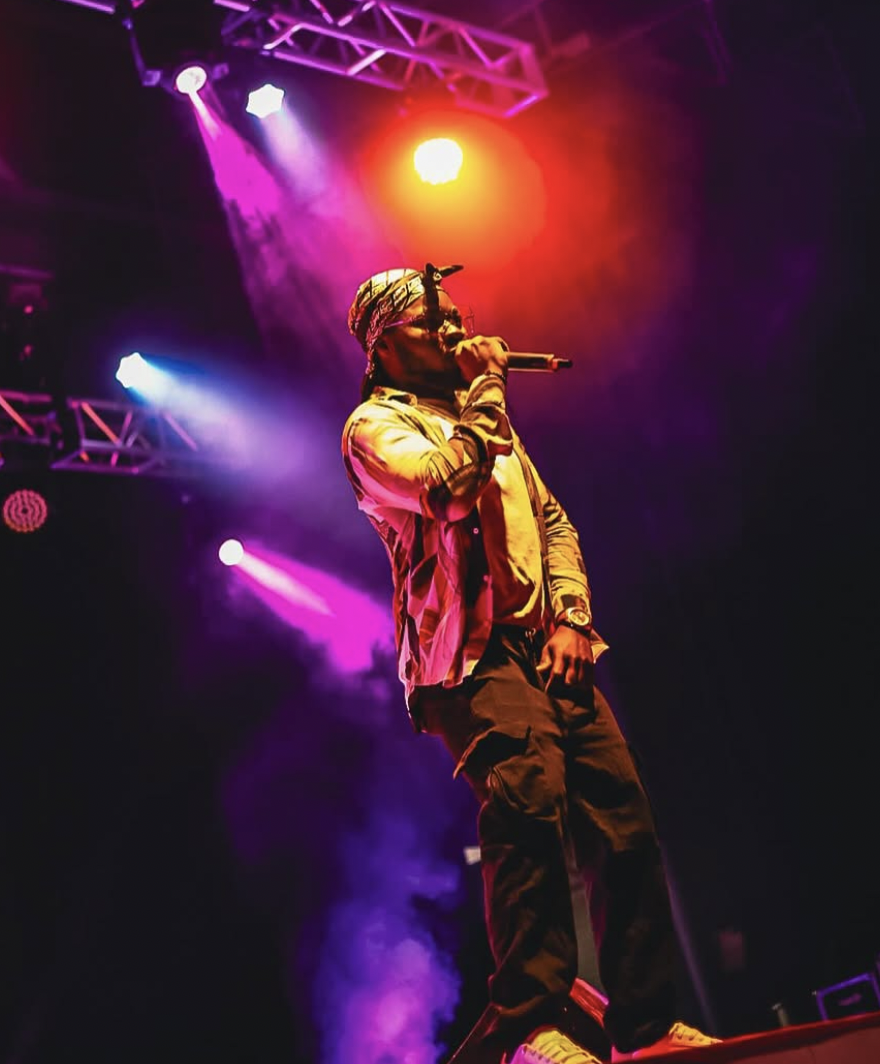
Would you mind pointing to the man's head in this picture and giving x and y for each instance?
(408, 326)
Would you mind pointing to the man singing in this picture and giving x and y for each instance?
(496, 648)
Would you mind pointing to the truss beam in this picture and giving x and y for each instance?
(103, 436)
(392, 45)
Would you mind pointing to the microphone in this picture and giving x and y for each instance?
(530, 360)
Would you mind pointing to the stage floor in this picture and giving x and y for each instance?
(854, 1040)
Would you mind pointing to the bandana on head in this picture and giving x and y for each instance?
(381, 299)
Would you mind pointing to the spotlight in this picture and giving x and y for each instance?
(133, 369)
(231, 552)
(177, 44)
(265, 101)
(151, 383)
(438, 161)
(25, 511)
(191, 79)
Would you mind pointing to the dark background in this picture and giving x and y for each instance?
(178, 779)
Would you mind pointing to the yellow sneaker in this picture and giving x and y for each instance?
(679, 1036)
(551, 1046)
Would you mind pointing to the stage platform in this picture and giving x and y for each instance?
(854, 1040)
(851, 1040)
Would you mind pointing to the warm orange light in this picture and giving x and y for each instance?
(493, 209)
(438, 161)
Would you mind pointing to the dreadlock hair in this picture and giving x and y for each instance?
(373, 378)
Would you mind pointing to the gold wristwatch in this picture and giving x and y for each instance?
(577, 617)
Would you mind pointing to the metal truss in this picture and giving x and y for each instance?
(398, 47)
(384, 43)
(102, 436)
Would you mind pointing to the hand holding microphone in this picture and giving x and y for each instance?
(490, 354)
(481, 354)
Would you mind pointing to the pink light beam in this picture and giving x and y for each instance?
(345, 622)
(302, 229)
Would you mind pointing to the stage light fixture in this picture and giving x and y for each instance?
(265, 101)
(24, 328)
(231, 552)
(25, 511)
(133, 368)
(144, 377)
(191, 79)
(438, 161)
(176, 44)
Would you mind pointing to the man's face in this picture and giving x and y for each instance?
(416, 351)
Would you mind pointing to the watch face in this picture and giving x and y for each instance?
(578, 616)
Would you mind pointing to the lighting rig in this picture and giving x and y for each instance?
(392, 45)
(180, 45)
(39, 428)
(103, 436)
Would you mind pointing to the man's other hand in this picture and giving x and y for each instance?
(567, 656)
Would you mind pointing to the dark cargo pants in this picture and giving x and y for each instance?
(545, 767)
